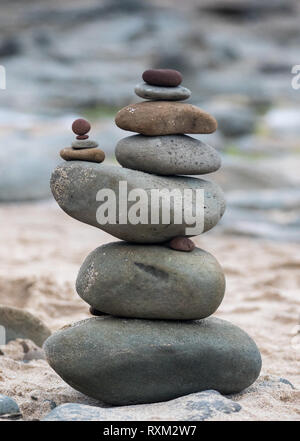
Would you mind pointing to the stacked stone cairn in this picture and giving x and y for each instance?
(82, 149)
(157, 290)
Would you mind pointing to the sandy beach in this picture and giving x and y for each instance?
(41, 252)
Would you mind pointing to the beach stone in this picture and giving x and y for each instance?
(87, 154)
(82, 137)
(81, 126)
(19, 323)
(129, 361)
(84, 144)
(151, 282)
(8, 406)
(167, 155)
(162, 77)
(75, 186)
(193, 407)
(150, 92)
(154, 118)
(182, 244)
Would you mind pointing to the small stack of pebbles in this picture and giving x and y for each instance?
(83, 149)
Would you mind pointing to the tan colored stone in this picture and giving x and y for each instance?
(165, 118)
(91, 155)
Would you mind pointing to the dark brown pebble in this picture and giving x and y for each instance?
(94, 311)
(182, 244)
(162, 77)
(82, 136)
(81, 126)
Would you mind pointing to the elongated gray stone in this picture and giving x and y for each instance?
(167, 155)
(151, 281)
(128, 361)
(150, 92)
(193, 407)
(75, 186)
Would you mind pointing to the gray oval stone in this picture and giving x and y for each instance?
(18, 323)
(167, 155)
(84, 144)
(151, 281)
(149, 92)
(8, 406)
(75, 186)
(128, 361)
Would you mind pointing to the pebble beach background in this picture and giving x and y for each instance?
(66, 59)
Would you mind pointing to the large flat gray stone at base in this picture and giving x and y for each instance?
(75, 186)
(8, 406)
(129, 361)
(194, 407)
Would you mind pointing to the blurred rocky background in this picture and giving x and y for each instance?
(70, 58)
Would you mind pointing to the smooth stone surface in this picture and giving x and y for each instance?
(162, 77)
(88, 154)
(81, 126)
(151, 281)
(84, 144)
(128, 361)
(181, 244)
(19, 323)
(75, 185)
(150, 92)
(8, 406)
(165, 118)
(167, 155)
(193, 407)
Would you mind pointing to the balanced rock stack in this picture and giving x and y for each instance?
(82, 149)
(156, 342)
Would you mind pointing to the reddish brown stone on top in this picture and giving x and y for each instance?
(162, 77)
(182, 244)
(81, 126)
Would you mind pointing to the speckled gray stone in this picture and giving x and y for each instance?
(75, 185)
(167, 155)
(150, 92)
(193, 407)
(19, 323)
(128, 361)
(151, 281)
(8, 406)
(84, 144)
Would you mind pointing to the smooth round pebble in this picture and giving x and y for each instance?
(151, 281)
(165, 118)
(182, 244)
(167, 155)
(81, 126)
(150, 92)
(128, 361)
(84, 144)
(88, 154)
(162, 77)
